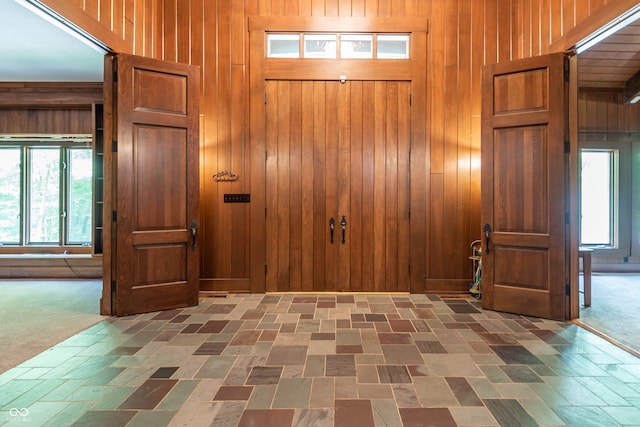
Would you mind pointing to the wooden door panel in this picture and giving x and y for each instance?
(149, 84)
(332, 162)
(342, 189)
(153, 268)
(159, 199)
(337, 150)
(533, 274)
(520, 169)
(323, 255)
(523, 183)
(155, 166)
(367, 216)
(524, 91)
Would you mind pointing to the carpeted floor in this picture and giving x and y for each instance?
(35, 315)
(615, 307)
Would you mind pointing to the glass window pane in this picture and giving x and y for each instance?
(44, 195)
(283, 46)
(393, 46)
(596, 194)
(319, 45)
(80, 183)
(10, 195)
(356, 46)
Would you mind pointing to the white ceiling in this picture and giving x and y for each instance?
(33, 49)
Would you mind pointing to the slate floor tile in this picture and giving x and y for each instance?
(515, 354)
(418, 417)
(233, 393)
(393, 374)
(401, 354)
(264, 375)
(329, 360)
(149, 394)
(287, 355)
(267, 417)
(349, 413)
(104, 418)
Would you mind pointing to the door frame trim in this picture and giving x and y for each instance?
(259, 72)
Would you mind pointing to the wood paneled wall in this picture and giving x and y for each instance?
(603, 118)
(52, 108)
(463, 36)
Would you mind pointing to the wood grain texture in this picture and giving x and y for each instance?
(524, 256)
(463, 36)
(348, 174)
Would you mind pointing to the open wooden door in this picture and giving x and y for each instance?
(151, 184)
(524, 172)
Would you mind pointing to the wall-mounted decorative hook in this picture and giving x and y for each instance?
(225, 176)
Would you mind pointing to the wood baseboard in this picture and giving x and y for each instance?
(28, 266)
(225, 285)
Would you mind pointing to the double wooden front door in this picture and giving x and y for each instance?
(337, 185)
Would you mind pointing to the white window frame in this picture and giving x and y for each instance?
(83, 142)
(621, 198)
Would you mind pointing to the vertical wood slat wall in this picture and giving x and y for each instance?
(463, 35)
(604, 118)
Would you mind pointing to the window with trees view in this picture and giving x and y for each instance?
(45, 194)
(607, 197)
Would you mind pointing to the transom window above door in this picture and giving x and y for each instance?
(337, 45)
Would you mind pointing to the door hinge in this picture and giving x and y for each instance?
(113, 286)
(114, 216)
(265, 271)
(567, 219)
(114, 146)
(265, 99)
(411, 99)
(566, 71)
(115, 76)
(409, 268)
(265, 213)
(567, 147)
(567, 289)
(409, 213)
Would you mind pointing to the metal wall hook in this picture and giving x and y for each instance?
(225, 176)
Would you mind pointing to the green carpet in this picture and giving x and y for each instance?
(615, 307)
(35, 315)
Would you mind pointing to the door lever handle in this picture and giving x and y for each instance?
(194, 229)
(332, 226)
(487, 236)
(343, 223)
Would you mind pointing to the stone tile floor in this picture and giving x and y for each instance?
(326, 360)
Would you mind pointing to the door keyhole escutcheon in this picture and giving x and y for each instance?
(332, 227)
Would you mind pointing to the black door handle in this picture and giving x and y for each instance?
(332, 226)
(487, 236)
(194, 229)
(344, 228)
